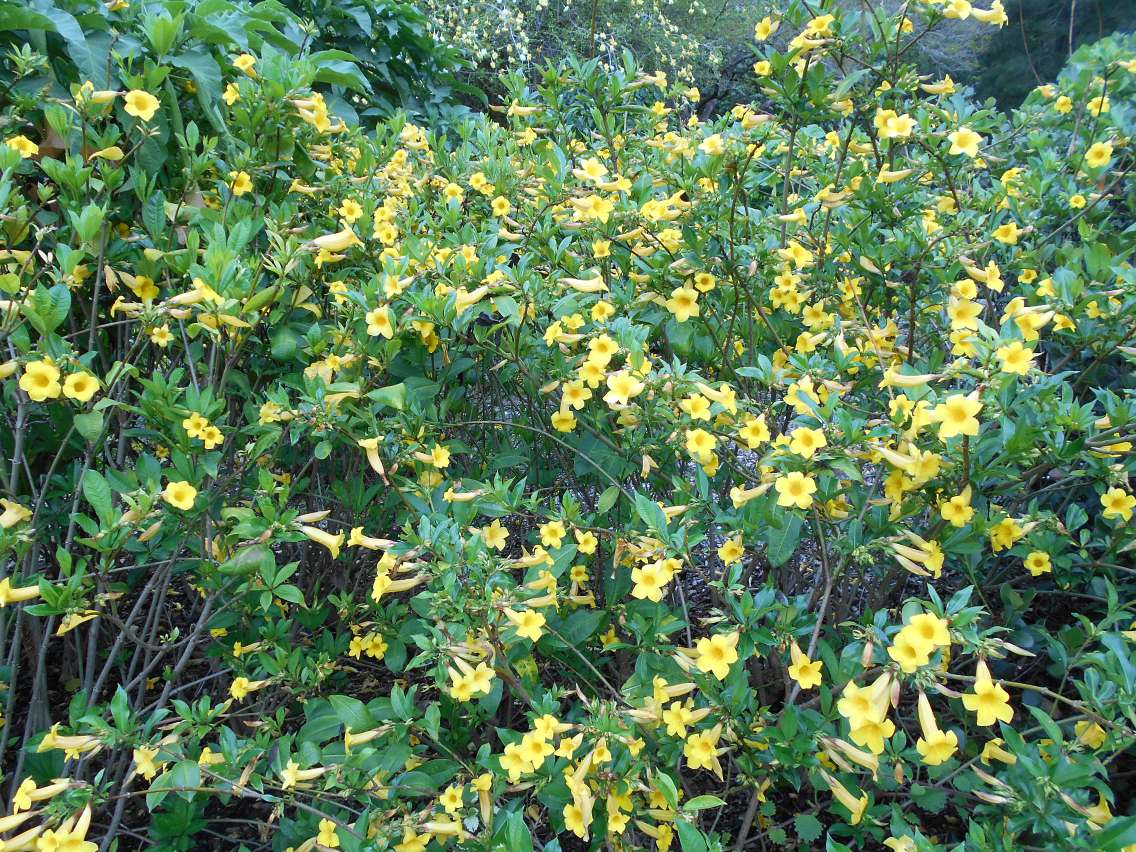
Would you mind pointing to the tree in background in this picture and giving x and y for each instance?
(1040, 38)
(694, 42)
(391, 44)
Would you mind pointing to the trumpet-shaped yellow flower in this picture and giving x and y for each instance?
(717, 653)
(989, 700)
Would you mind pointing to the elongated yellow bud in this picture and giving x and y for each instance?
(15, 820)
(585, 285)
(338, 241)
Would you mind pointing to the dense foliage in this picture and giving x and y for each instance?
(588, 475)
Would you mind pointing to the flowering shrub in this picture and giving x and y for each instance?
(686, 39)
(594, 477)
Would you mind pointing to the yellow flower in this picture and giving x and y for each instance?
(717, 653)
(683, 303)
(988, 700)
(700, 443)
(379, 322)
(765, 28)
(892, 126)
(552, 533)
(327, 836)
(956, 415)
(338, 241)
(856, 806)
(577, 817)
(622, 388)
(1098, 154)
(795, 489)
(1007, 233)
(964, 141)
(22, 801)
(957, 510)
(80, 387)
(413, 842)
(40, 381)
(527, 623)
(350, 210)
(935, 747)
(144, 763)
(13, 513)
(712, 145)
(1118, 503)
(871, 733)
(1038, 563)
(993, 751)
(141, 104)
(1090, 733)
(910, 651)
(1004, 534)
(755, 432)
(245, 62)
(240, 183)
(1015, 358)
(805, 442)
(586, 541)
(804, 671)
(495, 535)
(451, 799)
(180, 495)
(332, 542)
(16, 594)
(194, 425)
(439, 457)
(930, 630)
(242, 686)
(651, 579)
(232, 93)
(731, 550)
(24, 145)
(701, 750)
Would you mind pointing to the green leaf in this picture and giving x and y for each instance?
(607, 500)
(651, 513)
(781, 542)
(154, 215)
(691, 839)
(808, 827)
(517, 836)
(48, 307)
(667, 787)
(339, 69)
(206, 74)
(89, 424)
(257, 558)
(930, 799)
(120, 709)
(97, 492)
(392, 396)
(289, 593)
(14, 17)
(699, 803)
(352, 713)
(184, 774)
(1119, 833)
(80, 52)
